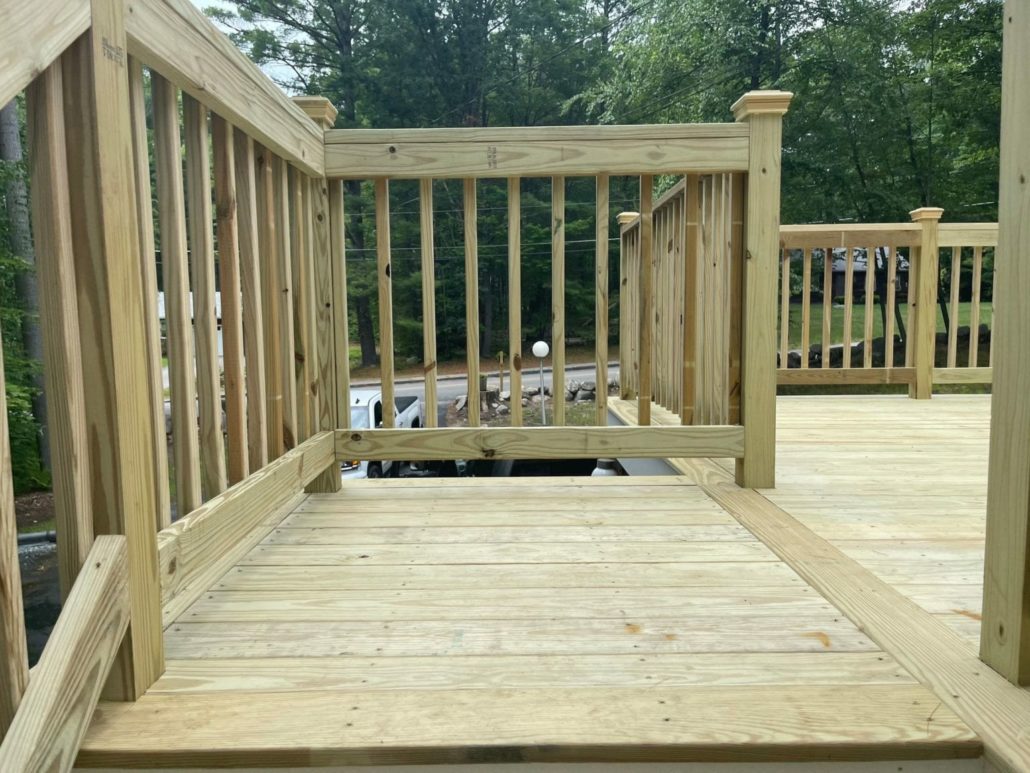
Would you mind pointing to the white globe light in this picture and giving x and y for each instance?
(540, 349)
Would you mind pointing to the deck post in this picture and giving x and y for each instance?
(323, 113)
(763, 111)
(1005, 633)
(113, 328)
(924, 337)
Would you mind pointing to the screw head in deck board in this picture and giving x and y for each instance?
(761, 103)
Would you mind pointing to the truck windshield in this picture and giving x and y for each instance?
(359, 417)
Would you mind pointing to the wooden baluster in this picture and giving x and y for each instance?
(558, 298)
(341, 333)
(224, 143)
(705, 338)
(646, 315)
(974, 308)
(891, 257)
(14, 660)
(247, 231)
(472, 301)
(827, 336)
(910, 295)
(806, 305)
(311, 305)
(784, 306)
(849, 302)
(691, 262)
(205, 322)
(870, 292)
(382, 192)
(148, 267)
(736, 284)
(171, 208)
(268, 251)
(58, 316)
(429, 299)
(299, 263)
(515, 296)
(994, 284)
(627, 293)
(956, 280)
(284, 281)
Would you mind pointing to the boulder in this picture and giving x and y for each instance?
(459, 404)
(506, 396)
(502, 410)
(590, 386)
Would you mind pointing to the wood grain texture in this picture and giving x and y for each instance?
(602, 218)
(924, 308)
(546, 152)
(515, 295)
(303, 322)
(175, 38)
(171, 211)
(113, 324)
(1005, 642)
(846, 376)
(470, 220)
(704, 723)
(270, 256)
(758, 366)
(248, 233)
(341, 335)
(539, 443)
(671, 670)
(286, 299)
(645, 283)
(231, 285)
(33, 37)
(58, 706)
(558, 299)
(385, 286)
(14, 660)
(205, 317)
(58, 315)
(428, 256)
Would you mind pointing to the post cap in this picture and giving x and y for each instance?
(318, 109)
(625, 218)
(926, 213)
(761, 103)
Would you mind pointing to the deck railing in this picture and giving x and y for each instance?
(250, 231)
(842, 326)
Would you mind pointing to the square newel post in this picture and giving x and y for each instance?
(323, 113)
(1005, 632)
(924, 318)
(763, 111)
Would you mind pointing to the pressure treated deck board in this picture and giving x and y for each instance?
(662, 724)
(700, 633)
(740, 573)
(913, 512)
(512, 604)
(493, 554)
(460, 672)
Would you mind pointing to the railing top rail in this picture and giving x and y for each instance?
(968, 234)
(850, 235)
(538, 151)
(177, 40)
(659, 203)
(33, 35)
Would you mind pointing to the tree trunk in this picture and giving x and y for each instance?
(17, 200)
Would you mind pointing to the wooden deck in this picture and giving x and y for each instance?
(643, 619)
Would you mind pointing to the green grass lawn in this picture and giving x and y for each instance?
(858, 321)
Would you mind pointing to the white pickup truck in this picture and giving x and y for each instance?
(366, 411)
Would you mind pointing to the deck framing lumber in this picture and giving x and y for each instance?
(57, 708)
(540, 443)
(1005, 635)
(197, 549)
(930, 650)
(34, 35)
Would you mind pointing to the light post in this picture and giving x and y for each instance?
(541, 350)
